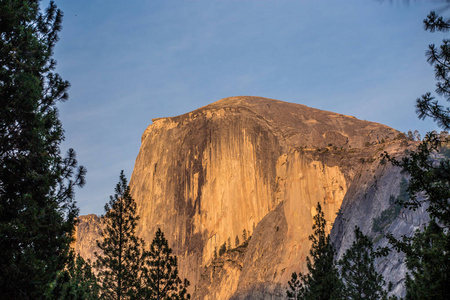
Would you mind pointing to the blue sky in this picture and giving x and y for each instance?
(131, 61)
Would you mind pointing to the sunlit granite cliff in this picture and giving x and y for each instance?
(259, 165)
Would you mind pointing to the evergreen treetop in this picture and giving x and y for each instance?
(360, 279)
(161, 272)
(322, 280)
(76, 282)
(122, 257)
(37, 209)
(427, 251)
(439, 58)
(427, 259)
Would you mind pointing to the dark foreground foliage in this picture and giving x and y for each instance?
(322, 280)
(37, 209)
(428, 251)
(125, 269)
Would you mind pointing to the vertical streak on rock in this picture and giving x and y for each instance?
(217, 178)
(240, 163)
(205, 176)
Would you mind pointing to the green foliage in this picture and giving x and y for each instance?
(413, 136)
(358, 274)
(126, 270)
(430, 180)
(76, 282)
(295, 286)
(37, 209)
(439, 58)
(427, 258)
(322, 280)
(400, 136)
(122, 257)
(427, 252)
(161, 272)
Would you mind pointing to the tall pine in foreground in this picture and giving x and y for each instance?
(358, 274)
(428, 251)
(37, 209)
(121, 258)
(161, 278)
(322, 280)
(427, 259)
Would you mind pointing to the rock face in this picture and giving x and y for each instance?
(259, 165)
(372, 194)
(88, 231)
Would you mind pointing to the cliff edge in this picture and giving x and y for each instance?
(253, 164)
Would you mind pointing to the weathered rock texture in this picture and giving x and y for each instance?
(256, 164)
(88, 231)
(363, 205)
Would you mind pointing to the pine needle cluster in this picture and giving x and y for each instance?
(352, 277)
(126, 270)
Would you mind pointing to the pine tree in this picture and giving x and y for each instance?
(37, 209)
(322, 280)
(236, 241)
(161, 272)
(427, 259)
(427, 252)
(439, 58)
(76, 282)
(360, 279)
(295, 286)
(122, 257)
(244, 235)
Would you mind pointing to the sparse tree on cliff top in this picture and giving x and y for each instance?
(161, 272)
(322, 280)
(37, 210)
(360, 279)
(122, 256)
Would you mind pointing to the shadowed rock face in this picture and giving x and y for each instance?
(363, 206)
(247, 163)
